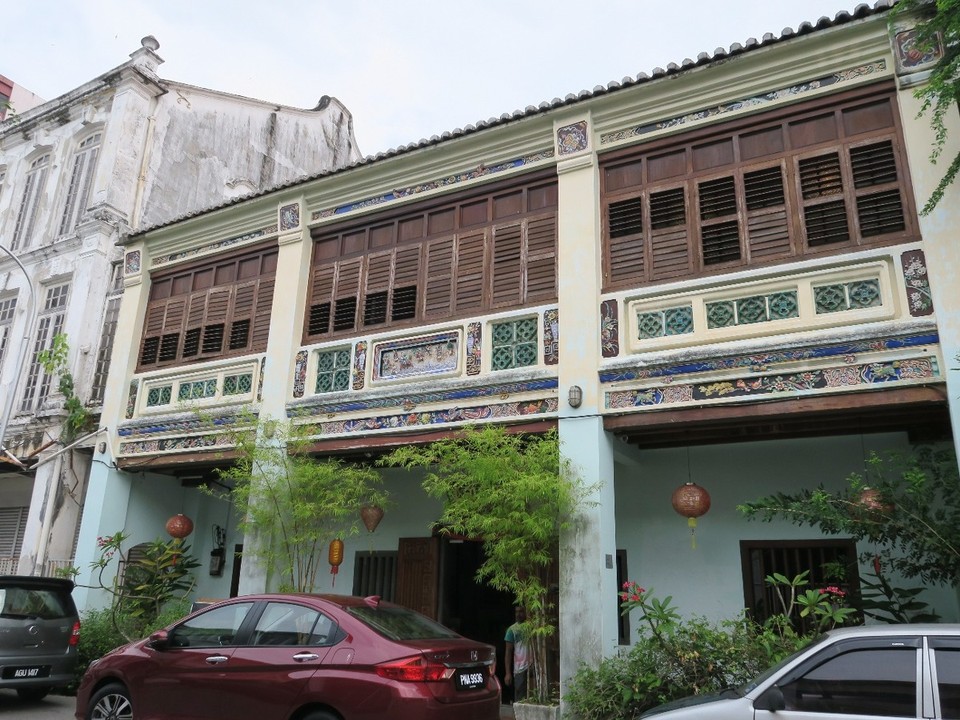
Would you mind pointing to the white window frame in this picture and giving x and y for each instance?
(36, 181)
(82, 170)
(8, 310)
(49, 325)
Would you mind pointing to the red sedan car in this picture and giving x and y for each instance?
(310, 657)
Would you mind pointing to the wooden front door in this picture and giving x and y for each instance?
(418, 574)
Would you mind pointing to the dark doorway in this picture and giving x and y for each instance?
(473, 608)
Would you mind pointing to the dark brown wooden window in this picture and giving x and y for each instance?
(824, 177)
(828, 562)
(470, 254)
(217, 309)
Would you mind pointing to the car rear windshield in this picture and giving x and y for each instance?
(39, 603)
(401, 624)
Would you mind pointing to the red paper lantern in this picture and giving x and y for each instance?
(179, 526)
(691, 501)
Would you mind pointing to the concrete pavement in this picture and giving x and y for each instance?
(52, 707)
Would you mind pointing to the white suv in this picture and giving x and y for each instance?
(900, 671)
(39, 630)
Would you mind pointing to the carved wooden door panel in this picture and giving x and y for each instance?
(418, 574)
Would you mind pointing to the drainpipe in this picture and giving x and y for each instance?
(14, 378)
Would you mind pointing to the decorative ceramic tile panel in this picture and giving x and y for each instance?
(911, 56)
(474, 348)
(514, 344)
(159, 396)
(666, 322)
(413, 357)
(333, 371)
(915, 276)
(609, 328)
(132, 398)
(290, 217)
(572, 138)
(551, 337)
(752, 309)
(238, 384)
(359, 365)
(839, 297)
(263, 366)
(197, 390)
(300, 373)
(131, 262)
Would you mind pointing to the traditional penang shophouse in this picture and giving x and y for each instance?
(125, 150)
(715, 274)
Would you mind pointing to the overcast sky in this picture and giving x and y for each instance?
(405, 69)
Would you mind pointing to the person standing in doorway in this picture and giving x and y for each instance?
(516, 657)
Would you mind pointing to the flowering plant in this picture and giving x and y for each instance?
(824, 607)
(660, 615)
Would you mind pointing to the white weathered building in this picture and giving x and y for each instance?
(126, 150)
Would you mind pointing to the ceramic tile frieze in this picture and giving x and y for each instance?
(848, 377)
(609, 329)
(841, 77)
(474, 348)
(919, 299)
(290, 217)
(551, 337)
(219, 245)
(455, 179)
(300, 373)
(359, 365)
(426, 355)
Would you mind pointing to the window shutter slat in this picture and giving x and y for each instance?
(262, 314)
(470, 254)
(541, 281)
(507, 259)
(439, 280)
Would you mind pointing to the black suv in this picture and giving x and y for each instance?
(39, 630)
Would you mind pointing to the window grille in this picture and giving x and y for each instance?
(333, 371)
(514, 344)
(375, 573)
(13, 524)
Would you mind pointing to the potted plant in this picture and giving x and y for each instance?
(515, 493)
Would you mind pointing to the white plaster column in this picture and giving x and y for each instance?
(588, 575)
(286, 329)
(940, 230)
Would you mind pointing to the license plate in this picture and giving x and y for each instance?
(26, 672)
(470, 679)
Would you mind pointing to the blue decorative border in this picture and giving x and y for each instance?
(220, 244)
(761, 361)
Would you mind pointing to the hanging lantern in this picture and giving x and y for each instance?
(335, 557)
(691, 501)
(371, 516)
(179, 526)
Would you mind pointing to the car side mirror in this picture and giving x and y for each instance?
(772, 700)
(160, 640)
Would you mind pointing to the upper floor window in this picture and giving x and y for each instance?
(81, 179)
(828, 177)
(461, 257)
(49, 325)
(107, 333)
(30, 203)
(8, 307)
(216, 309)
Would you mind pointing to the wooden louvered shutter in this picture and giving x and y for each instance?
(507, 270)
(376, 288)
(768, 217)
(669, 242)
(469, 279)
(879, 205)
(196, 311)
(439, 278)
(172, 327)
(719, 225)
(824, 210)
(214, 325)
(541, 281)
(347, 292)
(406, 280)
(241, 318)
(321, 301)
(153, 328)
(626, 260)
(262, 313)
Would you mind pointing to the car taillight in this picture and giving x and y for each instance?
(414, 669)
(75, 633)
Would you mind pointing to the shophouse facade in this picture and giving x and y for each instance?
(714, 274)
(124, 150)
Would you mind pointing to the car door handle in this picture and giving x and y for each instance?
(217, 659)
(304, 656)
